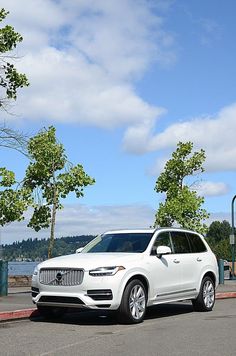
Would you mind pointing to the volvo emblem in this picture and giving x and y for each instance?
(59, 277)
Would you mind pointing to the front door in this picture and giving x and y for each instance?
(165, 271)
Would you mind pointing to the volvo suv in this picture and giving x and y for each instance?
(128, 271)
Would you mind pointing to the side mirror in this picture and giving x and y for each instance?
(79, 250)
(163, 250)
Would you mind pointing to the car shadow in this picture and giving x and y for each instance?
(168, 310)
(104, 317)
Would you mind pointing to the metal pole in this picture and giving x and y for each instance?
(1, 249)
(233, 245)
(221, 271)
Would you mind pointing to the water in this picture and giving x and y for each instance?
(21, 268)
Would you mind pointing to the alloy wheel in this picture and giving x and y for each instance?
(208, 294)
(137, 302)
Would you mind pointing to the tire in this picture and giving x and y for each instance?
(133, 304)
(51, 312)
(206, 298)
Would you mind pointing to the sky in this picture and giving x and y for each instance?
(123, 82)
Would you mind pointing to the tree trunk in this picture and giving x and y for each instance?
(53, 221)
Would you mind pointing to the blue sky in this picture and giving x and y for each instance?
(123, 82)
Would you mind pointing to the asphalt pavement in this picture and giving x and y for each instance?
(18, 303)
(172, 329)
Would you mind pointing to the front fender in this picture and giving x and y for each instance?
(130, 275)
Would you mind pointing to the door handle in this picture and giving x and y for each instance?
(176, 261)
(199, 259)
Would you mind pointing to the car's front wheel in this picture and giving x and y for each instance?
(133, 305)
(206, 298)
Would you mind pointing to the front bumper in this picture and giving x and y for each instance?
(92, 293)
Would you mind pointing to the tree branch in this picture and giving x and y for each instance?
(13, 139)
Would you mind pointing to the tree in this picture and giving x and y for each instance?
(51, 178)
(219, 231)
(222, 249)
(182, 205)
(14, 200)
(10, 79)
(218, 238)
(13, 139)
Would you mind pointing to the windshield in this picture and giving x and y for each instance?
(123, 242)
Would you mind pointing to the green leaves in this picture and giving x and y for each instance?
(13, 201)
(182, 206)
(8, 177)
(183, 163)
(47, 173)
(74, 181)
(47, 157)
(219, 230)
(8, 37)
(40, 218)
(218, 238)
(10, 79)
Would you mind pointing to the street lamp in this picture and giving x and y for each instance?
(232, 237)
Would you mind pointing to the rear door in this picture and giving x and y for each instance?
(183, 256)
(197, 258)
(191, 253)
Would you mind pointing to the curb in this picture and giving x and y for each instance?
(18, 314)
(19, 292)
(225, 295)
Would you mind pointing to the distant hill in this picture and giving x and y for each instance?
(36, 250)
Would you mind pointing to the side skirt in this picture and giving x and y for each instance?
(173, 297)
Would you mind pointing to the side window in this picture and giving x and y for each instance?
(163, 239)
(180, 242)
(196, 243)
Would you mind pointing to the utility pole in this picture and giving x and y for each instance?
(232, 237)
(1, 249)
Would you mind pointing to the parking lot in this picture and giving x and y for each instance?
(170, 329)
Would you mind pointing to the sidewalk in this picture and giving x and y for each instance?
(18, 303)
(226, 290)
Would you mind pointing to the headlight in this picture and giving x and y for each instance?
(105, 271)
(36, 271)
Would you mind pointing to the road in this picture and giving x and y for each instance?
(170, 329)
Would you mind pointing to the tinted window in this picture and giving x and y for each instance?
(180, 242)
(123, 242)
(163, 239)
(196, 243)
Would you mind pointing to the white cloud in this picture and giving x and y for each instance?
(136, 137)
(216, 135)
(80, 219)
(219, 216)
(211, 189)
(82, 59)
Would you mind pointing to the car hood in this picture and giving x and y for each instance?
(88, 261)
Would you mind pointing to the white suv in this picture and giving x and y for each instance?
(127, 271)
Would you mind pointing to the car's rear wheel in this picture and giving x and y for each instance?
(206, 297)
(51, 312)
(133, 305)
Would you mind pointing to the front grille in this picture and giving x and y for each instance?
(61, 276)
(61, 300)
(100, 294)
